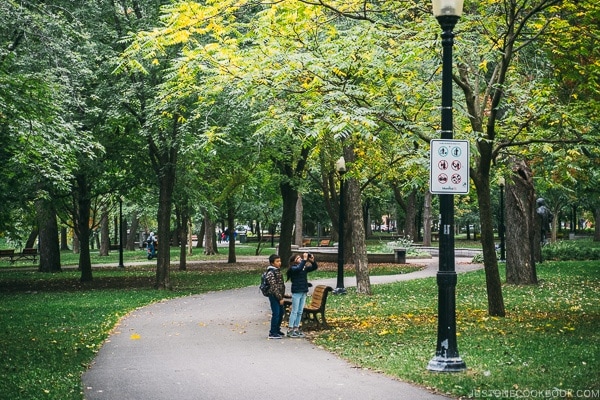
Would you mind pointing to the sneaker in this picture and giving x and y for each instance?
(281, 333)
(293, 334)
(275, 336)
(300, 334)
(289, 333)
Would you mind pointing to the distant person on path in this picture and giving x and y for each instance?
(151, 243)
(300, 266)
(276, 295)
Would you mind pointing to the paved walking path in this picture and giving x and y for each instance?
(214, 346)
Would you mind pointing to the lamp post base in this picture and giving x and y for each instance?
(443, 364)
(339, 290)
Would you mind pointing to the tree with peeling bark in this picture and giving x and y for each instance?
(522, 241)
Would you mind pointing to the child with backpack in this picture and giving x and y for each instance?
(276, 292)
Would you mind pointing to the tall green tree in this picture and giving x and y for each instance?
(38, 121)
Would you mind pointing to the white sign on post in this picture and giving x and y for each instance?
(449, 166)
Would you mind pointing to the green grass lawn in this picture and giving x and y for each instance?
(548, 341)
(68, 258)
(51, 326)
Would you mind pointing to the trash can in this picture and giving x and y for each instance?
(243, 237)
(400, 255)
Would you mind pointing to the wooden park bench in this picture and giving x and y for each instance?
(325, 243)
(28, 254)
(318, 301)
(10, 254)
(313, 315)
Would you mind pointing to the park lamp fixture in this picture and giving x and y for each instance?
(447, 13)
(447, 7)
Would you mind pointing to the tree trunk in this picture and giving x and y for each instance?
(202, 234)
(597, 224)
(258, 237)
(521, 227)
(64, 241)
(367, 219)
(289, 196)
(298, 223)
(492, 274)
(209, 234)
(231, 257)
(427, 219)
(133, 232)
(104, 234)
(166, 183)
(363, 283)
(48, 237)
(75, 243)
(190, 232)
(410, 210)
(410, 226)
(116, 230)
(84, 204)
(122, 240)
(183, 233)
(30, 243)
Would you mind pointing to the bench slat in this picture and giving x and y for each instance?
(313, 314)
(28, 253)
(316, 307)
(8, 253)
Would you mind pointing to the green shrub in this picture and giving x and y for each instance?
(572, 250)
(478, 259)
(563, 250)
(388, 247)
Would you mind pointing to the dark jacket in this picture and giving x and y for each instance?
(298, 274)
(276, 283)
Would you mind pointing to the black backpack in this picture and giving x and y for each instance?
(264, 287)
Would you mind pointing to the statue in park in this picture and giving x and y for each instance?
(546, 218)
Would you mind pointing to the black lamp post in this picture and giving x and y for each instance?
(121, 265)
(340, 166)
(446, 357)
(501, 228)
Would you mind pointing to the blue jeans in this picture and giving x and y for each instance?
(277, 311)
(298, 300)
